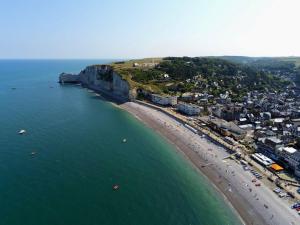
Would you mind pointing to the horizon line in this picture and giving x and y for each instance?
(133, 58)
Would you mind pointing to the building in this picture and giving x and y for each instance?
(189, 109)
(224, 127)
(164, 100)
(227, 112)
(290, 156)
(269, 146)
(262, 159)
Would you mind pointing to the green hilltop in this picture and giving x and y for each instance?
(212, 75)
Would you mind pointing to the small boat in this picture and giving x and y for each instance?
(22, 131)
(124, 140)
(115, 187)
(32, 153)
(13, 88)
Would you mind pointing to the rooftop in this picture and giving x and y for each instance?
(275, 140)
(290, 150)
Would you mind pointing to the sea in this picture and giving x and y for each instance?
(62, 170)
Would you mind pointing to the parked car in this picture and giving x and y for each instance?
(246, 168)
(282, 194)
(277, 190)
(296, 205)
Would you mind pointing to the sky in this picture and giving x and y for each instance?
(154, 28)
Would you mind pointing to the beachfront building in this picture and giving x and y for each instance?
(189, 109)
(290, 155)
(223, 127)
(262, 159)
(164, 100)
(269, 146)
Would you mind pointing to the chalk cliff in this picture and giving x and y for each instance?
(101, 78)
(68, 78)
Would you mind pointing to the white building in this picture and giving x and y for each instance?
(189, 109)
(291, 156)
(262, 159)
(164, 100)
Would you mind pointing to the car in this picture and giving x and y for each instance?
(282, 194)
(253, 180)
(296, 205)
(277, 190)
(298, 209)
(257, 184)
(298, 190)
(246, 168)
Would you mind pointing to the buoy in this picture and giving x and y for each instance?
(124, 140)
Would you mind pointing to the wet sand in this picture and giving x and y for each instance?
(255, 205)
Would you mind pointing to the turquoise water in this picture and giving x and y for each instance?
(77, 138)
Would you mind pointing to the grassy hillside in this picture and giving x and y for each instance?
(176, 75)
(128, 71)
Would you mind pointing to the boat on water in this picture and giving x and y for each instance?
(124, 140)
(115, 187)
(22, 131)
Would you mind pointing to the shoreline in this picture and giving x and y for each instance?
(180, 151)
(226, 176)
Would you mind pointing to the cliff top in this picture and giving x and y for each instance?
(127, 69)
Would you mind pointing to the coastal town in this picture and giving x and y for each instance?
(262, 131)
(246, 143)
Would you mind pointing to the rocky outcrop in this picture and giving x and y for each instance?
(68, 78)
(101, 78)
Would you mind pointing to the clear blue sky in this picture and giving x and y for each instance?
(136, 28)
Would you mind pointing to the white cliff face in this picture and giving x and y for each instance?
(120, 86)
(102, 78)
(68, 78)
